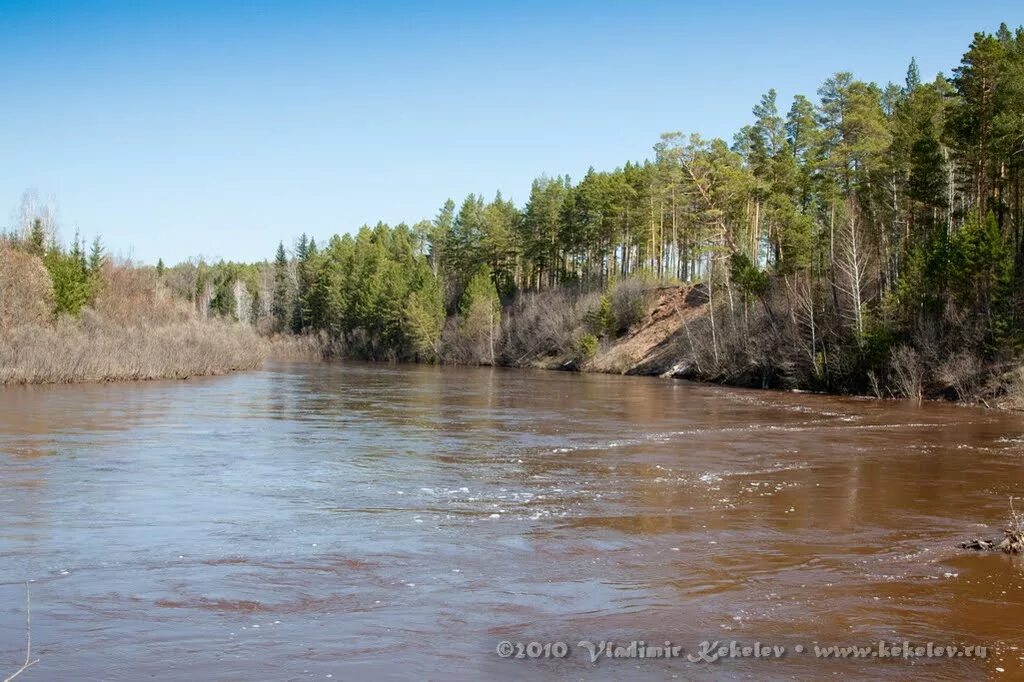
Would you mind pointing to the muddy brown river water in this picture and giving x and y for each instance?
(363, 522)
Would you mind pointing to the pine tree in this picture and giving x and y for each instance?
(37, 238)
(913, 80)
(72, 283)
(279, 305)
(304, 252)
(96, 256)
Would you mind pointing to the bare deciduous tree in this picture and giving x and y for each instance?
(908, 372)
(852, 269)
(34, 208)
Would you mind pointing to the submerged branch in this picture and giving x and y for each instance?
(29, 662)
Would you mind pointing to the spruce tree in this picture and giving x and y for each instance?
(279, 305)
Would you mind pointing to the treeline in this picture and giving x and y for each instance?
(869, 222)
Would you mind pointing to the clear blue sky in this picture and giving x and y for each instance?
(186, 128)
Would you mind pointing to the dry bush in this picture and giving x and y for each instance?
(132, 296)
(963, 373)
(455, 349)
(1013, 543)
(544, 324)
(907, 372)
(874, 384)
(304, 347)
(631, 299)
(742, 347)
(134, 330)
(26, 291)
(467, 344)
(94, 349)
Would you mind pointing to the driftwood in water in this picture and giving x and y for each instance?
(1012, 542)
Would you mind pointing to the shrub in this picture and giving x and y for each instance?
(135, 330)
(95, 349)
(480, 317)
(601, 319)
(26, 291)
(630, 299)
(586, 347)
(963, 373)
(545, 323)
(129, 295)
(73, 284)
(907, 372)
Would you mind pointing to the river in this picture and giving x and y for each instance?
(355, 521)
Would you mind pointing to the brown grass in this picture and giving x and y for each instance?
(307, 347)
(95, 349)
(135, 329)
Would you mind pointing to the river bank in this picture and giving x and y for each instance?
(135, 328)
(116, 322)
(671, 340)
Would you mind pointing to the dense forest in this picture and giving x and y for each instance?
(868, 240)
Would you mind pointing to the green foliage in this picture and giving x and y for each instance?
(879, 339)
(480, 316)
(376, 292)
(587, 346)
(73, 285)
(37, 238)
(480, 296)
(305, 254)
(864, 204)
(424, 316)
(981, 273)
(281, 298)
(97, 257)
(601, 320)
(747, 277)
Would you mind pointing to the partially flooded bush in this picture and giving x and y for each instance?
(134, 330)
(963, 373)
(599, 319)
(907, 372)
(312, 346)
(95, 349)
(1013, 536)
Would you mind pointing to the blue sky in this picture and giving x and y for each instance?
(188, 128)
